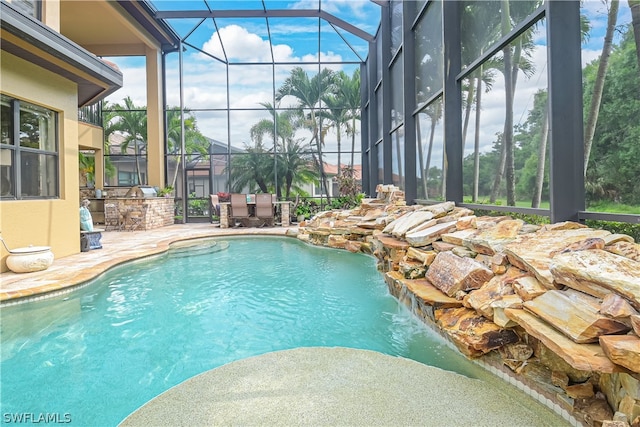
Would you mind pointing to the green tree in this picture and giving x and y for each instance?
(349, 93)
(194, 141)
(309, 92)
(598, 87)
(251, 169)
(130, 121)
(613, 166)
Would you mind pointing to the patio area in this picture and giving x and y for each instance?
(117, 247)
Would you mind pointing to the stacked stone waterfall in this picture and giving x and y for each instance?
(557, 304)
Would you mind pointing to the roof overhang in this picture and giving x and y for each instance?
(34, 42)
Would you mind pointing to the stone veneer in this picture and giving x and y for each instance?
(512, 296)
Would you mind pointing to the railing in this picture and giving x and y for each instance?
(91, 114)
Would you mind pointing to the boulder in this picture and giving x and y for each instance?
(580, 322)
(584, 357)
(528, 287)
(481, 299)
(598, 272)
(399, 227)
(440, 209)
(623, 350)
(473, 334)
(626, 249)
(457, 237)
(532, 252)
(412, 269)
(613, 305)
(428, 293)
(635, 324)
(466, 222)
(426, 257)
(451, 273)
(498, 306)
(492, 240)
(430, 234)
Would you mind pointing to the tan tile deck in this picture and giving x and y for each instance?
(117, 247)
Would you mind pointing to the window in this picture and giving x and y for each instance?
(28, 151)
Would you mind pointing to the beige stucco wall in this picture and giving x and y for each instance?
(54, 222)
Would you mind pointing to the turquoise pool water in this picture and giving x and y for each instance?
(95, 355)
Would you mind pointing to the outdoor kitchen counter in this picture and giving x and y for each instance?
(160, 210)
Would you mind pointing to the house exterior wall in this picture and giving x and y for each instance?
(45, 222)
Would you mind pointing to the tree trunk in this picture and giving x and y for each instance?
(353, 140)
(598, 85)
(399, 160)
(339, 171)
(513, 62)
(476, 143)
(542, 152)
(467, 111)
(428, 164)
(421, 156)
(634, 5)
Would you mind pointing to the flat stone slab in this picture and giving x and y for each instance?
(428, 293)
(533, 252)
(337, 387)
(577, 320)
(598, 272)
(623, 350)
(584, 357)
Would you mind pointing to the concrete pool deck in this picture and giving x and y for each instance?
(337, 387)
(295, 387)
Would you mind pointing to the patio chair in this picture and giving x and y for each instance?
(112, 217)
(264, 209)
(215, 205)
(137, 218)
(239, 209)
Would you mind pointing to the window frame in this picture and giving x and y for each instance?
(17, 151)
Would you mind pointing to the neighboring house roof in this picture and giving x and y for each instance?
(29, 39)
(332, 170)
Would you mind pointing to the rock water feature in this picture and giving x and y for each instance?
(557, 305)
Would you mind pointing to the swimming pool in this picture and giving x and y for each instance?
(97, 354)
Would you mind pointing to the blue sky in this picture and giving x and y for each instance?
(296, 41)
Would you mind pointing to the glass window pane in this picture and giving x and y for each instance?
(38, 175)
(37, 127)
(380, 153)
(613, 168)
(429, 69)
(6, 121)
(396, 26)
(430, 152)
(397, 92)
(491, 124)
(481, 24)
(397, 157)
(7, 184)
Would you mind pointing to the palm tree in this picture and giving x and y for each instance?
(349, 93)
(309, 92)
(295, 166)
(598, 87)
(516, 58)
(338, 118)
(195, 142)
(253, 168)
(131, 121)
